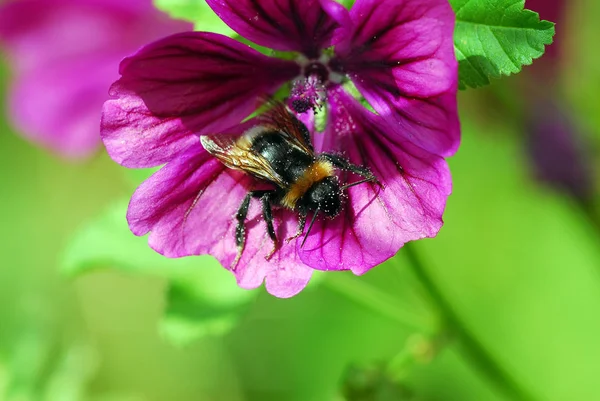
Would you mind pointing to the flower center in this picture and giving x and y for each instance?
(318, 70)
(309, 91)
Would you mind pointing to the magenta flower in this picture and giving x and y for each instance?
(398, 53)
(63, 54)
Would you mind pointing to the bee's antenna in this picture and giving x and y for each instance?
(357, 182)
(309, 227)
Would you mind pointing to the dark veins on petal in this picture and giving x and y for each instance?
(240, 179)
(358, 51)
(388, 147)
(383, 90)
(382, 63)
(349, 223)
(309, 42)
(198, 197)
(202, 78)
(385, 150)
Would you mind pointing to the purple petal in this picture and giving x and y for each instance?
(376, 222)
(400, 55)
(338, 13)
(182, 86)
(188, 207)
(284, 273)
(63, 54)
(287, 25)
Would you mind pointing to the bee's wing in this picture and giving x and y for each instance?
(235, 153)
(279, 118)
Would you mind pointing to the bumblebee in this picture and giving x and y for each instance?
(279, 151)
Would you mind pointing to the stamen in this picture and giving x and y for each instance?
(307, 93)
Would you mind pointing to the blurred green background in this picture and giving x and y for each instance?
(517, 261)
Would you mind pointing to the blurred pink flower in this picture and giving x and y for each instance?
(63, 55)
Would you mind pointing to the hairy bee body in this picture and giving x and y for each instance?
(279, 151)
(299, 170)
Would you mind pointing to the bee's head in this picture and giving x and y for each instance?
(324, 196)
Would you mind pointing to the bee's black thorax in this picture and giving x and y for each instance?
(287, 160)
(324, 195)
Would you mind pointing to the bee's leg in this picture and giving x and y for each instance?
(268, 216)
(300, 230)
(240, 229)
(342, 163)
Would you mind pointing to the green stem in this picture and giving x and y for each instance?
(419, 349)
(371, 297)
(473, 349)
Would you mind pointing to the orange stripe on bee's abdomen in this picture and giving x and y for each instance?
(317, 171)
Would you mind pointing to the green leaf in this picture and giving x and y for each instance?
(495, 38)
(196, 11)
(203, 303)
(4, 378)
(203, 298)
(107, 242)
